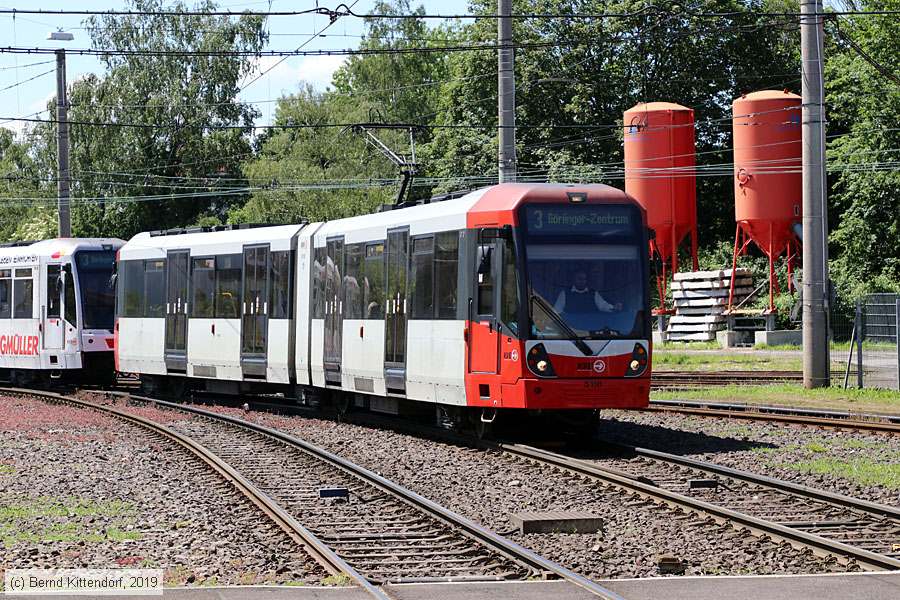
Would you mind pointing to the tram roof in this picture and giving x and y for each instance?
(59, 247)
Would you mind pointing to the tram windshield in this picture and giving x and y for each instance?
(585, 271)
(98, 298)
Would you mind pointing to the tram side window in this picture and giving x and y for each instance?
(23, 294)
(318, 287)
(131, 288)
(204, 283)
(446, 271)
(422, 278)
(53, 289)
(354, 282)
(280, 285)
(5, 296)
(154, 288)
(228, 286)
(374, 281)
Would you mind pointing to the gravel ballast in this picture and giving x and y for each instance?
(82, 490)
(487, 487)
(861, 464)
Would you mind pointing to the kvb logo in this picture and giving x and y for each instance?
(599, 366)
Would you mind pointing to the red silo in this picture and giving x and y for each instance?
(768, 191)
(660, 174)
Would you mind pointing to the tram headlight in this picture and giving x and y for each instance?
(639, 361)
(538, 361)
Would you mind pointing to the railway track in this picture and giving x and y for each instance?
(853, 530)
(679, 380)
(802, 416)
(305, 539)
(379, 532)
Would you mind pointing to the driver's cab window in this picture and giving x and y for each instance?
(69, 294)
(509, 288)
(484, 274)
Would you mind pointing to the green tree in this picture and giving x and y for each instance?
(22, 190)
(292, 163)
(863, 105)
(385, 88)
(182, 154)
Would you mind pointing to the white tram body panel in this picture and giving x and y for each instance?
(350, 348)
(56, 305)
(204, 304)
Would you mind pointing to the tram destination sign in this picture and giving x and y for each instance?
(585, 219)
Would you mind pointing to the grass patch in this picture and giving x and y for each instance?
(845, 346)
(815, 447)
(787, 394)
(7, 470)
(64, 507)
(339, 580)
(765, 449)
(862, 471)
(688, 346)
(859, 444)
(119, 535)
(62, 532)
(723, 361)
(46, 519)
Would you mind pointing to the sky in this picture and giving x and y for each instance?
(22, 98)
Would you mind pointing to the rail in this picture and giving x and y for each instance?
(668, 380)
(326, 557)
(647, 488)
(783, 414)
(476, 531)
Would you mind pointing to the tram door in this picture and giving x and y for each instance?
(53, 327)
(177, 277)
(395, 313)
(334, 309)
(484, 337)
(255, 311)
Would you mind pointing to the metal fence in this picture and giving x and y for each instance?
(872, 357)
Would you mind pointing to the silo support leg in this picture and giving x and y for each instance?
(737, 240)
(694, 244)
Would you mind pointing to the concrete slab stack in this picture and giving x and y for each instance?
(701, 298)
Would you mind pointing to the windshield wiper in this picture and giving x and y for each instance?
(576, 339)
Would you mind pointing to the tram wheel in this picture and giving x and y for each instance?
(449, 417)
(343, 404)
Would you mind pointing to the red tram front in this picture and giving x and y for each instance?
(559, 316)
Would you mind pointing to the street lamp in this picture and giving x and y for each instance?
(60, 36)
(62, 135)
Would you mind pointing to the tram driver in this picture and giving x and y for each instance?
(582, 299)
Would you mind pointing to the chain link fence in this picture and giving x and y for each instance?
(866, 343)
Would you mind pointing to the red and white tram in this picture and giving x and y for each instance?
(516, 296)
(56, 310)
